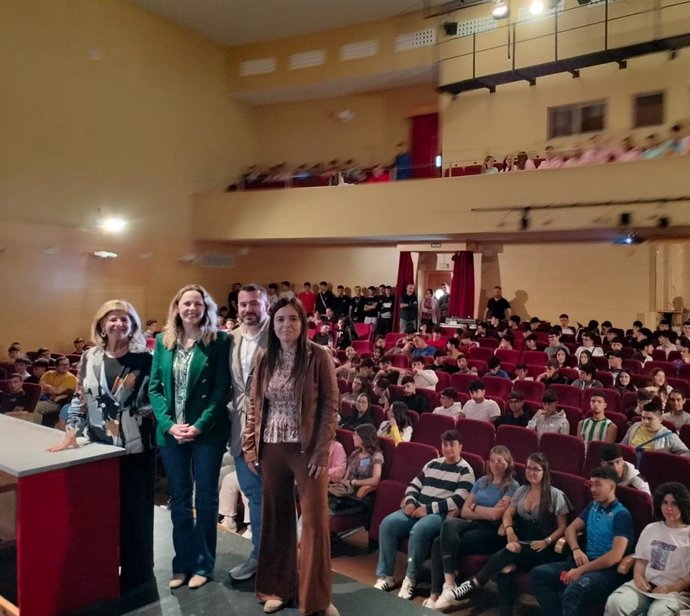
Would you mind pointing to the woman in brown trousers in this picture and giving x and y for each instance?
(291, 422)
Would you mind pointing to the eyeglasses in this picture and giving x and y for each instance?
(534, 469)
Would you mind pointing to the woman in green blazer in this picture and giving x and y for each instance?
(189, 388)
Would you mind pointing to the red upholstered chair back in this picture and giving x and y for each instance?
(505, 355)
(461, 382)
(575, 487)
(388, 448)
(536, 358)
(478, 436)
(482, 353)
(567, 394)
(521, 441)
(476, 462)
(409, 459)
(533, 390)
(432, 400)
(639, 504)
(658, 467)
(497, 386)
(685, 434)
(345, 437)
(430, 428)
(443, 381)
(566, 453)
(593, 457)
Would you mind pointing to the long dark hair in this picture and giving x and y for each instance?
(546, 512)
(273, 348)
(401, 414)
(370, 441)
(680, 494)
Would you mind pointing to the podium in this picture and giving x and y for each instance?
(66, 512)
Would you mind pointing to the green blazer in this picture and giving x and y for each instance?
(207, 393)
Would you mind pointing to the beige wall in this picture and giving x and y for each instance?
(105, 105)
(515, 118)
(310, 131)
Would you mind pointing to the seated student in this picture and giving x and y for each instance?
(367, 369)
(674, 410)
(475, 531)
(642, 396)
(645, 350)
(421, 348)
(667, 342)
(658, 383)
(16, 399)
(611, 455)
(365, 462)
(534, 521)
(412, 400)
(441, 487)
(555, 343)
(345, 333)
(38, 368)
(530, 342)
(615, 361)
(495, 369)
(588, 345)
(522, 373)
(564, 320)
(21, 367)
(350, 368)
(323, 336)
(549, 418)
(13, 352)
(360, 385)
(44, 353)
(58, 386)
(380, 393)
(440, 364)
(361, 416)
(397, 425)
(449, 404)
(453, 348)
(662, 560)
(463, 365)
(424, 378)
(650, 434)
(598, 427)
(589, 575)
(586, 378)
(437, 339)
(387, 371)
(552, 374)
(624, 382)
(479, 407)
(516, 415)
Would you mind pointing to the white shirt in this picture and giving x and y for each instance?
(425, 379)
(667, 552)
(452, 411)
(482, 411)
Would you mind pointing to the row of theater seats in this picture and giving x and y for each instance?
(403, 463)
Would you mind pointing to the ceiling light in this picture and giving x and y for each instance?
(536, 7)
(501, 9)
(104, 254)
(113, 224)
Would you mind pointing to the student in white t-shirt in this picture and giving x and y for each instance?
(662, 559)
(479, 407)
(449, 404)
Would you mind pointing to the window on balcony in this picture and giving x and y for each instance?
(576, 119)
(648, 109)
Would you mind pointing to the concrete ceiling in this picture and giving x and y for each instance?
(231, 23)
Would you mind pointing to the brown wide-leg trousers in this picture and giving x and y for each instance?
(279, 575)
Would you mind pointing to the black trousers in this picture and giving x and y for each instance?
(137, 479)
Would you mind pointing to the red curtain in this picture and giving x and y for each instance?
(462, 285)
(405, 277)
(424, 145)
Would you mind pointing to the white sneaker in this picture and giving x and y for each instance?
(430, 603)
(407, 588)
(453, 595)
(385, 583)
(229, 523)
(247, 534)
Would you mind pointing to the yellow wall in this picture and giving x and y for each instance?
(515, 118)
(134, 131)
(310, 132)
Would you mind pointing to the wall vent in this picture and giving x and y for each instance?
(226, 261)
(307, 59)
(476, 26)
(356, 51)
(413, 40)
(261, 66)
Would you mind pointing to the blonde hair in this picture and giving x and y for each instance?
(98, 335)
(173, 330)
(509, 474)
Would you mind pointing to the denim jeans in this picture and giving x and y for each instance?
(193, 468)
(422, 532)
(251, 485)
(591, 588)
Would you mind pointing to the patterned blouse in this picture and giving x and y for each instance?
(181, 362)
(282, 420)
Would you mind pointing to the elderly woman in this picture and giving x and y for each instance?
(189, 388)
(290, 424)
(111, 404)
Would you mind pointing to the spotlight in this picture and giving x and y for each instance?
(113, 225)
(628, 239)
(536, 7)
(501, 9)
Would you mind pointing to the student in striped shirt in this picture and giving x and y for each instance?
(598, 427)
(441, 486)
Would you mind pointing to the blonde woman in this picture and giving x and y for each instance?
(189, 390)
(475, 531)
(111, 403)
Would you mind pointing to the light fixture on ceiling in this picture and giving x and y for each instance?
(113, 224)
(536, 7)
(104, 254)
(501, 9)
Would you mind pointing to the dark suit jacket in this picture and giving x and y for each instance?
(207, 392)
